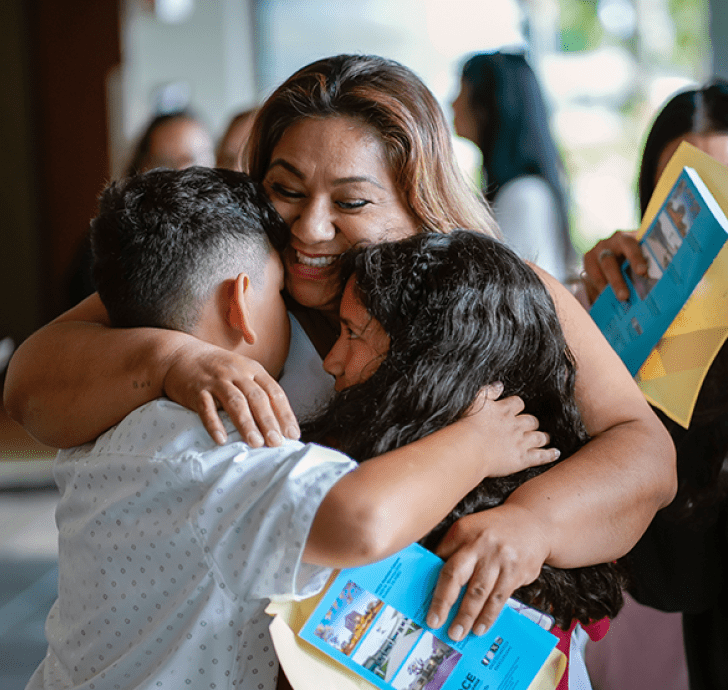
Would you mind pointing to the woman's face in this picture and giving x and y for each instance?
(330, 181)
(715, 145)
(464, 120)
(362, 345)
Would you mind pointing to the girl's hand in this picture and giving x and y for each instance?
(203, 378)
(602, 262)
(514, 438)
(493, 552)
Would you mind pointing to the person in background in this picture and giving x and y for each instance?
(500, 108)
(355, 149)
(681, 563)
(173, 140)
(230, 147)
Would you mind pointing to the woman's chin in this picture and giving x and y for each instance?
(320, 295)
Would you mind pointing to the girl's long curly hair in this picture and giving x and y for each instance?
(463, 311)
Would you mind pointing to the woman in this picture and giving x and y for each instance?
(428, 321)
(502, 110)
(355, 149)
(680, 563)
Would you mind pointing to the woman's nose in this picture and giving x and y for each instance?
(315, 223)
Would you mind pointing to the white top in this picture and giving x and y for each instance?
(170, 548)
(528, 215)
(306, 383)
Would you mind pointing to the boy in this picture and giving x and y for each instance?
(171, 546)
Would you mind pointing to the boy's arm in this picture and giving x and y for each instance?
(395, 499)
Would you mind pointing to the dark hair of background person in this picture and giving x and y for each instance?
(703, 447)
(694, 111)
(463, 311)
(513, 123)
(390, 99)
(139, 161)
(229, 152)
(163, 240)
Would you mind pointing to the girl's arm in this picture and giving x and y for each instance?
(77, 376)
(392, 500)
(591, 508)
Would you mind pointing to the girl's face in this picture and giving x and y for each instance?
(714, 144)
(330, 181)
(362, 345)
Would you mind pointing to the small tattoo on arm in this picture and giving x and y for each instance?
(141, 384)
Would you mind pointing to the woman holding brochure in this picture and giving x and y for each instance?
(681, 563)
(355, 149)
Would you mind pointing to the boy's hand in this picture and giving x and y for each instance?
(511, 440)
(493, 552)
(602, 264)
(203, 378)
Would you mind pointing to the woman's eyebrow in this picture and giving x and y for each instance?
(281, 162)
(353, 179)
(357, 179)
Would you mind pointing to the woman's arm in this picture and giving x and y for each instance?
(392, 500)
(589, 509)
(77, 376)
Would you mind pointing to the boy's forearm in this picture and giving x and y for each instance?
(395, 499)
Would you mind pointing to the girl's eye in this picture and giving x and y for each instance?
(285, 192)
(352, 205)
(347, 333)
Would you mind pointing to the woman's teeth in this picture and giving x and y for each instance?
(316, 261)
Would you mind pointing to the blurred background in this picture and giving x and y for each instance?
(80, 81)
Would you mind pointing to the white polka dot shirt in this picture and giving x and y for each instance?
(170, 548)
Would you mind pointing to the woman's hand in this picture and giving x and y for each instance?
(494, 553)
(203, 378)
(500, 424)
(602, 264)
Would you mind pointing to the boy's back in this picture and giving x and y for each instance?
(170, 547)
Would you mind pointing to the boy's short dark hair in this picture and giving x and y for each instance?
(164, 239)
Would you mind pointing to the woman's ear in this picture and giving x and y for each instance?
(238, 313)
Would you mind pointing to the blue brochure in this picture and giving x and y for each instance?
(679, 246)
(372, 620)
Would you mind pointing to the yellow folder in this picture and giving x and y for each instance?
(674, 372)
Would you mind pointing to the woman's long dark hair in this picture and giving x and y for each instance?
(463, 311)
(702, 449)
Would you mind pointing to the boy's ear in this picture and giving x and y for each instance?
(238, 313)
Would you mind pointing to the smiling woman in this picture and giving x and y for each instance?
(330, 181)
(353, 149)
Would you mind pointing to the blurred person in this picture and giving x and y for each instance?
(230, 148)
(681, 563)
(500, 108)
(173, 140)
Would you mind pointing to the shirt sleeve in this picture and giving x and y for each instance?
(255, 518)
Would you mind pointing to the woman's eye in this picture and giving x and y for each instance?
(285, 191)
(352, 205)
